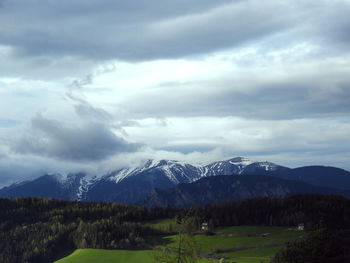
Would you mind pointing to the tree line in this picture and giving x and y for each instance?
(38, 229)
(332, 210)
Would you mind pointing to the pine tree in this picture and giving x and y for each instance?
(186, 250)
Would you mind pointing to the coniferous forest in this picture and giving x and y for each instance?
(321, 246)
(39, 229)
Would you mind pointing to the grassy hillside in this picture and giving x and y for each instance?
(105, 256)
(241, 244)
(251, 255)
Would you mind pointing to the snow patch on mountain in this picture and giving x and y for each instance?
(170, 175)
(85, 183)
(267, 166)
(64, 179)
(241, 163)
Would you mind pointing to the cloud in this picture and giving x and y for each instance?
(69, 39)
(139, 30)
(20, 167)
(291, 143)
(189, 80)
(88, 142)
(99, 29)
(269, 88)
(85, 110)
(329, 24)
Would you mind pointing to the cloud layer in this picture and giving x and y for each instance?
(88, 142)
(146, 30)
(98, 85)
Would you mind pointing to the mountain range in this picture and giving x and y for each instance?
(136, 184)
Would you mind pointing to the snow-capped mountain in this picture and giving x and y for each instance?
(131, 184)
(163, 174)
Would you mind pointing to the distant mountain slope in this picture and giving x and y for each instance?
(131, 189)
(264, 168)
(49, 185)
(219, 188)
(131, 184)
(317, 175)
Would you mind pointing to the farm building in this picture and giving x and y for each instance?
(301, 227)
(205, 226)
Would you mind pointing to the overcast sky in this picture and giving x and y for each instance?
(95, 85)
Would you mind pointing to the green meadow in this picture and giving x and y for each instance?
(240, 244)
(106, 256)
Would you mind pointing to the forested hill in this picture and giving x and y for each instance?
(38, 230)
(219, 188)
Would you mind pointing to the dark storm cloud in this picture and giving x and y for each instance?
(140, 29)
(89, 142)
(86, 111)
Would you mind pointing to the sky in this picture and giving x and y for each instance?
(96, 85)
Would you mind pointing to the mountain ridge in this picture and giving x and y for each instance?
(132, 184)
(231, 188)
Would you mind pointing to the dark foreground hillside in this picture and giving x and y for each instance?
(321, 246)
(38, 230)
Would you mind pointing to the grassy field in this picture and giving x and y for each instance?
(250, 229)
(255, 255)
(240, 244)
(106, 256)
